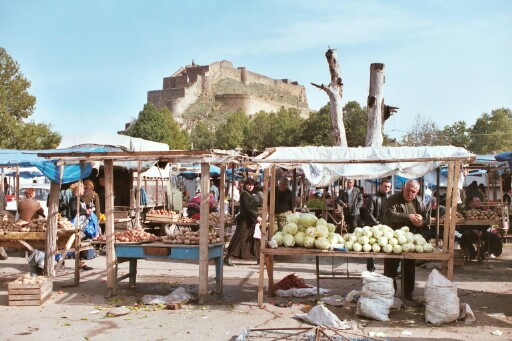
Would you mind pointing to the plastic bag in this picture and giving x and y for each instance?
(442, 302)
(299, 292)
(321, 316)
(257, 232)
(377, 296)
(179, 295)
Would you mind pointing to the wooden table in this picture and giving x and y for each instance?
(299, 251)
(131, 253)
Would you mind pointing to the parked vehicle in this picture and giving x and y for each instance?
(41, 194)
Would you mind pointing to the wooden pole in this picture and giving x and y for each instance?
(448, 215)
(294, 189)
(375, 106)
(51, 230)
(109, 228)
(137, 196)
(222, 195)
(203, 233)
(453, 219)
(232, 191)
(270, 265)
(264, 237)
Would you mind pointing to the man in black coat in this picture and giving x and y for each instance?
(376, 206)
(405, 208)
(351, 199)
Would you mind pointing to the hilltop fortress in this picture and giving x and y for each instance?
(203, 92)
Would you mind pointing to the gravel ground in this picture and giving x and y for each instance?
(81, 313)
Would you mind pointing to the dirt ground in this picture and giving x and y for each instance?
(80, 313)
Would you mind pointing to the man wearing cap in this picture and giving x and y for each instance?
(29, 208)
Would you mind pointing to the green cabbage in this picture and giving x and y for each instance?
(290, 228)
(387, 248)
(376, 247)
(428, 247)
(311, 231)
(331, 227)
(322, 231)
(288, 240)
(308, 219)
(309, 242)
(299, 238)
(293, 218)
(322, 243)
(397, 249)
(278, 237)
(321, 221)
(367, 247)
(357, 247)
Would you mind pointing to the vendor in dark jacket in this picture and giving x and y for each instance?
(376, 206)
(405, 208)
(351, 199)
(283, 203)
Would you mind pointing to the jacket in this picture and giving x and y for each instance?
(355, 203)
(376, 206)
(397, 213)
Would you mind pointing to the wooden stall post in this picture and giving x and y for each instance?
(448, 214)
(270, 265)
(453, 220)
(203, 233)
(222, 196)
(264, 237)
(17, 182)
(232, 191)
(294, 189)
(51, 230)
(109, 228)
(137, 196)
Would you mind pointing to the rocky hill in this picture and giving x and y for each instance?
(196, 93)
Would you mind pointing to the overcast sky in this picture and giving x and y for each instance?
(91, 63)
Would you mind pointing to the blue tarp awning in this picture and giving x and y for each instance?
(29, 158)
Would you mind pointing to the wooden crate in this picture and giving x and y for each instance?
(29, 294)
(163, 218)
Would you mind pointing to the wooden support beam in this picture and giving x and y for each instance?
(109, 228)
(203, 233)
(137, 195)
(264, 237)
(453, 219)
(51, 230)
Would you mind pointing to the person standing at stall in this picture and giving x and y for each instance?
(283, 202)
(29, 208)
(376, 206)
(243, 244)
(91, 198)
(405, 208)
(78, 210)
(351, 199)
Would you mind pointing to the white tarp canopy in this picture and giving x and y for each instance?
(109, 139)
(324, 165)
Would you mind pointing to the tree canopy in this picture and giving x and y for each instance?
(16, 105)
(491, 132)
(159, 126)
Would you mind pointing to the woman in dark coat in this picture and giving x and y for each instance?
(243, 244)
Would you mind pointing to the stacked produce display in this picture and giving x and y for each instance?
(306, 230)
(189, 238)
(131, 236)
(475, 214)
(8, 224)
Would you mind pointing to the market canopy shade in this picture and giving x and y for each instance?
(324, 165)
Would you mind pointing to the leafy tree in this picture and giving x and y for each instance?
(316, 129)
(202, 137)
(285, 129)
(424, 132)
(158, 126)
(491, 132)
(355, 118)
(16, 105)
(455, 135)
(231, 135)
(259, 131)
(14, 97)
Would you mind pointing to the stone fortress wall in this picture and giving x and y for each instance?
(188, 83)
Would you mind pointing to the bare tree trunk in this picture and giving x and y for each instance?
(375, 106)
(335, 92)
(378, 113)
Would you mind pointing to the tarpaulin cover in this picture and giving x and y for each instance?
(322, 173)
(506, 156)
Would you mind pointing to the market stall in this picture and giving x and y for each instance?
(204, 158)
(324, 165)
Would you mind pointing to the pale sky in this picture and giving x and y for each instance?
(91, 63)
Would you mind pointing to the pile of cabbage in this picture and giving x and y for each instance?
(306, 230)
(382, 238)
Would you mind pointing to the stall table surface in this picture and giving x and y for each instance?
(127, 252)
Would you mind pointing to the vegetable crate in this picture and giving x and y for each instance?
(458, 258)
(29, 294)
